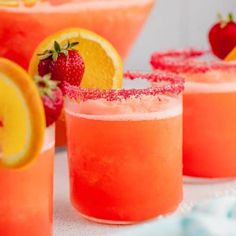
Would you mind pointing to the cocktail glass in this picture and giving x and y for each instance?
(125, 150)
(209, 113)
(26, 200)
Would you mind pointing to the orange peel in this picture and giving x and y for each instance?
(21, 116)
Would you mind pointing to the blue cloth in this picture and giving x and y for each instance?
(216, 217)
(201, 224)
(225, 207)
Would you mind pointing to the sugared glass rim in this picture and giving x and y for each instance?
(184, 61)
(174, 85)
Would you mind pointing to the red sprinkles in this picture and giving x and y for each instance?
(184, 61)
(173, 84)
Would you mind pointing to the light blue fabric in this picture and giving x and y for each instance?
(225, 207)
(216, 217)
(201, 224)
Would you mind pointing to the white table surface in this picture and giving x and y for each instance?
(67, 221)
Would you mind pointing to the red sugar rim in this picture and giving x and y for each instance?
(174, 85)
(184, 61)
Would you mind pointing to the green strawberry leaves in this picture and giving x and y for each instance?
(54, 53)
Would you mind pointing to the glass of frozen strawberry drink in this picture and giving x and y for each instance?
(26, 201)
(125, 149)
(209, 113)
(26, 151)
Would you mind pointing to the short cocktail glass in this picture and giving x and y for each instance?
(125, 150)
(26, 200)
(209, 103)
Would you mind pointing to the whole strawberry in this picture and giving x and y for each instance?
(63, 63)
(52, 98)
(222, 36)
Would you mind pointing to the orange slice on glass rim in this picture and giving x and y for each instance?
(232, 55)
(103, 65)
(22, 119)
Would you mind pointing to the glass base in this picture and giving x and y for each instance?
(201, 180)
(107, 222)
(112, 222)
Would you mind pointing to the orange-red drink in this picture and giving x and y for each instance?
(25, 27)
(209, 112)
(125, 151)
(26, 200)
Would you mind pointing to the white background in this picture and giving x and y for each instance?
(176, 23)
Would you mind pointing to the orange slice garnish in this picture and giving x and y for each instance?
(231, 56)
(22, 120)
(103, 65)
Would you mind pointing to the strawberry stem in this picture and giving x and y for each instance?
(45, 84)
(220, 17)
(57, 47)
(230, 17)
(54, 53)
(224, 22)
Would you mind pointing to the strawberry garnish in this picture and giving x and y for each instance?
(64, 63)
(222, 36)
(52, 97)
